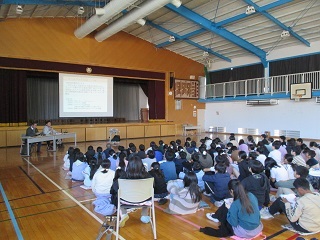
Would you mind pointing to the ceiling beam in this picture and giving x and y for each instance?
(210, 26)
(237, 18)
(276, 21)
(183, 37)
(178, 37)
(53, 2)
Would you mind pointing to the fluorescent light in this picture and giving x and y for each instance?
(130, 18)
(111, 9)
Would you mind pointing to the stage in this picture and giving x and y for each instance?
(11, 136)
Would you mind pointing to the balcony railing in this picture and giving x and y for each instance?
(260, 86)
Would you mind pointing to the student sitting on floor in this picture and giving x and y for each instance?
(304, 214)
(88, 173)
(197, 169)
(102, 180)
(241, 219)
(275, 171)
(185, 195)
(66, 160)
(257, 183)
(160, 185)
(78, 166)
(168, 167)
(217, 184)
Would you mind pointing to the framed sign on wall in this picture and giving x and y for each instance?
(186, 89)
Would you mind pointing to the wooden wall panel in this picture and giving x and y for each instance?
(135, 131)
(151, 131)
(3, 138)
(168, 129)
(14, 137)
(122, 131)
(96, 133)
(81, 134)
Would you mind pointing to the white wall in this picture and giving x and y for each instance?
(300, 116)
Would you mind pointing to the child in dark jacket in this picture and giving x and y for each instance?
(160, 185)
(218, 183)
(257, 183)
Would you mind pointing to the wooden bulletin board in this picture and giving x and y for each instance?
(186, 89)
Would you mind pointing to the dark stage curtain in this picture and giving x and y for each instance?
(13, 104)
(295, 65)
(43, 97)
(241, 73)
(156, 99)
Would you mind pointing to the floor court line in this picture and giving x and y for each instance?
(41, 190)
(11, 214)
(276, 234)
(71, 197)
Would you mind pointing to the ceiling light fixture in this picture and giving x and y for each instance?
(80, 10)
(19, 9)
(176, 3)
(205, 54)
(141, 21)
(172, 39)
(250, 10)
(285, 34)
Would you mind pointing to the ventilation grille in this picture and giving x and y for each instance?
(287, 133)
(317, 99)
(257, 102)
(219, 129)
(250, 131)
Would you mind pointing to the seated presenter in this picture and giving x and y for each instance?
(48, 130)
(32, 131)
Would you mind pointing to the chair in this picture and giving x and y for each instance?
(136, 191)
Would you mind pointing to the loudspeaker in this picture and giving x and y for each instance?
(171, 82)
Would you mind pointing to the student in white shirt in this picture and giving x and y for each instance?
(102, 180)
(275, 153)
(276, 171)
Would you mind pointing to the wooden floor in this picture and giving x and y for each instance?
(47, 206)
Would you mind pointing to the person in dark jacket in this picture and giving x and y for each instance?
(218, 183)
(257, 183)
(243, 165)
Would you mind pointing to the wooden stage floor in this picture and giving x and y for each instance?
(47, 206)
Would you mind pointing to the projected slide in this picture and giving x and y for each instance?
(85, 96)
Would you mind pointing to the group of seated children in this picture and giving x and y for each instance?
(236, 176)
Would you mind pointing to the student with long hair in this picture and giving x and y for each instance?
(275, 171)
(88, 173)
(241, 219)
(185, 195)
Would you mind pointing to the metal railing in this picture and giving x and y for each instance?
(259, 86)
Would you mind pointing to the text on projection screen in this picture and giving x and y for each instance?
(85, 96)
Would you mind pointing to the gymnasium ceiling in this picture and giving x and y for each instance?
(205, 31)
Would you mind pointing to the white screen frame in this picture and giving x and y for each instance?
(85, 95)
